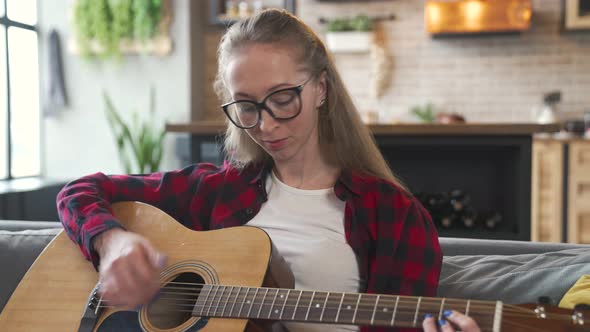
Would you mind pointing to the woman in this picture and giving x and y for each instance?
(300, 165)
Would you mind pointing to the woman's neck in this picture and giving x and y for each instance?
(310, 174)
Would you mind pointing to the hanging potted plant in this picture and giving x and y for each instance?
(350, 35)
(110, 28)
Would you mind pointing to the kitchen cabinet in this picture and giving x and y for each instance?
(560, 207)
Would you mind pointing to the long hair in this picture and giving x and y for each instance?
(343, 138)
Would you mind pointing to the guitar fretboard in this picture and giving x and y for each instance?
(334, 307)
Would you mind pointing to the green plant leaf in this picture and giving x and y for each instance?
(140, 140)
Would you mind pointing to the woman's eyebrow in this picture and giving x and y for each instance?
(271, 90)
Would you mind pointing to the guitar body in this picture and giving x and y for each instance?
(212, 283)
(54, 293)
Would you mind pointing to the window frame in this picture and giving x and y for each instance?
(8, 23)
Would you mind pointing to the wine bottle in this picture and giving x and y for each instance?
(492, 220)
(447, 214)
(459, 200)
(469, 218)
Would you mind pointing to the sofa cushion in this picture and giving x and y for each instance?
(18, 251)
(513, 278)
(578, 294)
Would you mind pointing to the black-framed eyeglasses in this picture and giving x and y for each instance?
(284, 104)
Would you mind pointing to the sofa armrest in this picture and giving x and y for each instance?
(462, 246)
(22, 225)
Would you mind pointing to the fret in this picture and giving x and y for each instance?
(309, 306)
(339, 307)
(243, 302)
(406, 311)
(348, 308)
(212, 300)
(304, 305)
(285, 302)
(219, 299)
(382, 309)
(483, 312)
(442, 308)
(233, 305)
(331, 307)
(296, 305)
(200, 300)
(324, 308)
(317, 306)
(417, 309)
(467, 308)
(252, 303)
(262, 303)
(394, 311)
(272, 309)
(356, 307)
(226, 301)
(366, 309)
(375, 310)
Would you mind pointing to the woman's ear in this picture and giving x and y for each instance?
(322, 92)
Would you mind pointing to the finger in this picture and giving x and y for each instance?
(445, 326)
(157, 259)
(465, 323)
(125, 283)
(108, 290)
(146, 279)
(143, 269)
(429, 323)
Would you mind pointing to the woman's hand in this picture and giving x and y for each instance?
(129, 268)
(464, 323)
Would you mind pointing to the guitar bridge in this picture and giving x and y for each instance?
(91, 313)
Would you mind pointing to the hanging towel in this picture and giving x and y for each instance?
(56, 91)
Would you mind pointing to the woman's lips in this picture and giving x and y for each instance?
(276, 144)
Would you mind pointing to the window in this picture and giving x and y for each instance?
(19, 90)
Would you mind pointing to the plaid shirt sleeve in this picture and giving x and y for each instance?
(84, 205)
(407, 258)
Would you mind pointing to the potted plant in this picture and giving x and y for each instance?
(110, 28)
(140, 146)
(350, 35)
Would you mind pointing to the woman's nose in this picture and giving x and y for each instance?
(267, 122)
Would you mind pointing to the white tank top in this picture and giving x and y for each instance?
(307, 227)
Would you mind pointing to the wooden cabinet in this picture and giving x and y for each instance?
(547, 191)
(578, 226)
(560, 206)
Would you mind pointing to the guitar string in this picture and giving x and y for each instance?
(366, 302)
(383, 300)
(367, 309)
(380, 322)
(435, 305)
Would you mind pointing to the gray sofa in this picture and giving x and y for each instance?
(513, 272)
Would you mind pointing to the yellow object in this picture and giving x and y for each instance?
(578, 294)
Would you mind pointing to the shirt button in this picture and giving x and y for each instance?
(249, 211)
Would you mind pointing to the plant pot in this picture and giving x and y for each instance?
(349, 41)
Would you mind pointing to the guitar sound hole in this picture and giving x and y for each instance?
(173, 306)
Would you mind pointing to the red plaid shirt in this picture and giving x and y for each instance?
(392, 235)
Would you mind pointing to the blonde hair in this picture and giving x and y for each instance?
(343, 138)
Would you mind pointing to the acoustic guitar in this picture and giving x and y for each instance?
(229, 280)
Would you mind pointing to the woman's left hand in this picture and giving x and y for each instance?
(464, 323)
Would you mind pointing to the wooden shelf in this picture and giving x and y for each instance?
(499, 129)
(217, 11)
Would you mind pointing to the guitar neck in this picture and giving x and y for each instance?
(335, 307)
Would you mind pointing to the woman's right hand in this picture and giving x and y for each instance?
(129, 268)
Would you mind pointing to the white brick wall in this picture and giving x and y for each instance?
(486, 78)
